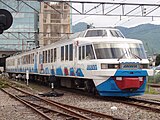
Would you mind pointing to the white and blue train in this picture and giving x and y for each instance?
(98, 60)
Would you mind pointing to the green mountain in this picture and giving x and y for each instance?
(149, 34)
(81, 26)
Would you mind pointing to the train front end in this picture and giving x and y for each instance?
(122, 68)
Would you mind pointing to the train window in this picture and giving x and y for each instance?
(89, 52)
(62, 53)
(55, 54)
(66, 52)
(46, 56)
(96, 33)
(83, 52)
(70, 52)
(33, 58)
(116, 33)
(43, 56)
(51, 55)
(80, 53)
(29, 59)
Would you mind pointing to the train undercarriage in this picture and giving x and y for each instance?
(86, 85)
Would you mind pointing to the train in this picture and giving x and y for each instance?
(98, 60)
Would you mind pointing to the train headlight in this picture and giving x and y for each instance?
(118, 78)
(140, 78)
(144, 66)
(113, 66)
(104, 66)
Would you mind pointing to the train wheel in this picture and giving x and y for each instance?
(89, 86)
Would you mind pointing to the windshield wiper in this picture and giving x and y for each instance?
(121, 56)
(136, 56)
(131, 53)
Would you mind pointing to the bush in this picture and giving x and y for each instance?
(154, 79)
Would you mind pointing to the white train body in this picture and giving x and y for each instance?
(98, 59)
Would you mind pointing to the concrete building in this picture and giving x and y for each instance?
(54, 22)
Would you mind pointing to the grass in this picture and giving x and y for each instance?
(151, 91)
(3, 83)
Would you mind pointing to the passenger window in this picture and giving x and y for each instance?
(55, 54)
(83, 52)
(51, 55)
(62, 53)
(43, 57)
(33, 59)
(80, 53)
(66, 52)
(70, 52)
(89, 52)
(46, 56)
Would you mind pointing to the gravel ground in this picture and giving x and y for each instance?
(10, 109)
(123, 111)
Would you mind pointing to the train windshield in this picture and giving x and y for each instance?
(96, 33)
(119, 51)
(116, 33)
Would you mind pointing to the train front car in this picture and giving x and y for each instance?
(121, 66)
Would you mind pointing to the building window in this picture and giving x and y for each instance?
(70, 52)
(66, 52)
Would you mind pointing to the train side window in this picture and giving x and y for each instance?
(62, 53)
(89, 52)
(43, 57)
(33, 58)
(80, 53)
(83, 52)
(29, 59)
(51, 55)
(66, 52)
(70, 52)
(46, 56)
(55, 54)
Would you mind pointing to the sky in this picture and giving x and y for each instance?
(111, 21)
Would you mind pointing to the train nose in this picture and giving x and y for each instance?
(124, 83)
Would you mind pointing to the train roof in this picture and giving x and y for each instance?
(103, 34)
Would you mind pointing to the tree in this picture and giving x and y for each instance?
(157, 60)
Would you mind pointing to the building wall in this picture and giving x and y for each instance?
(52, 23)
(24, 20)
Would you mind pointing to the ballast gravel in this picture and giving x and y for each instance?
(9, 106)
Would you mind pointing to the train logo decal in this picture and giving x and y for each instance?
(91, 67)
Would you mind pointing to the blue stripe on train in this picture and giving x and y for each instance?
(132, 73)
(109, 88)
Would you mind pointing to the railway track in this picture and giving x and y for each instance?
(142, 103)
(53, 110)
